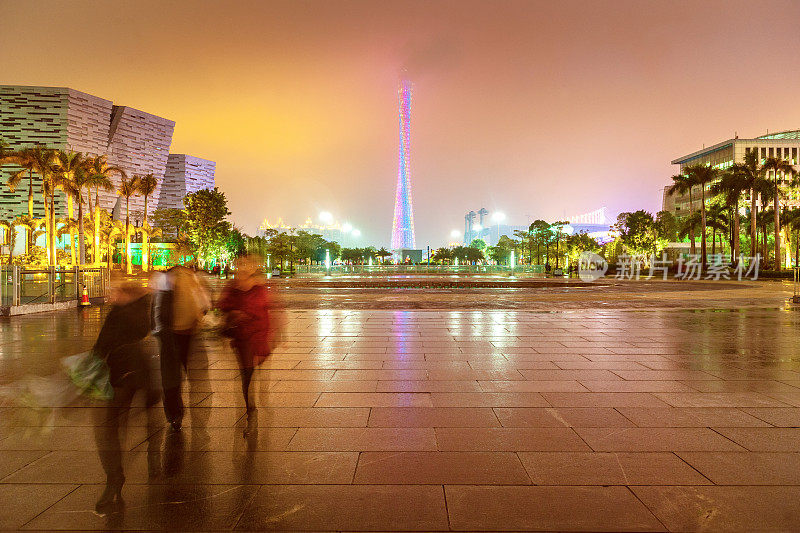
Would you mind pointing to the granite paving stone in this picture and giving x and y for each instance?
(436, 419)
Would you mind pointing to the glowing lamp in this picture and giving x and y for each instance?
(498, 217)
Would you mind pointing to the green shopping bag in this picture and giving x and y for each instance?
(90, 374)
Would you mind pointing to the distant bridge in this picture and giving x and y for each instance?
(597, 216)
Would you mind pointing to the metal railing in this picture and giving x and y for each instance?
(21, 286)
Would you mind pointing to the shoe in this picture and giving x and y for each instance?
(111, 499)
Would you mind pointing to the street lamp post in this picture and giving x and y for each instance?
(497, 218)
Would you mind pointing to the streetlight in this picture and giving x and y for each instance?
(326, 217)
(497, 218)
(347, 227)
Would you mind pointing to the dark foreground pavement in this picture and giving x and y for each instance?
(439, 420)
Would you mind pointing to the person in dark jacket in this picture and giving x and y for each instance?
(120, 344)
(247, 303)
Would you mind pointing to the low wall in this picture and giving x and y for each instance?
(26, 309)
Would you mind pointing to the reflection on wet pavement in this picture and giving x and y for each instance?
(447, 419)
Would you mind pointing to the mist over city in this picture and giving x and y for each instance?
(419, 265)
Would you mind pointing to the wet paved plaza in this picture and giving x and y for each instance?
(431, 420)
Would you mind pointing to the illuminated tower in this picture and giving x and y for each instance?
(403, 223)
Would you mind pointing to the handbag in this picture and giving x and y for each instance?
(90, 374)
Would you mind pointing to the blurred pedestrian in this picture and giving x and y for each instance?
(120, 344)
(246, 301)
(181, 302)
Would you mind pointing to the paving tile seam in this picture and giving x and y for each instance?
(649, 510)
(76, 487)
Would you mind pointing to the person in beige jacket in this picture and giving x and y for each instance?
(181, 302)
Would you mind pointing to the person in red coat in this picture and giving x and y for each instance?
(247, 303)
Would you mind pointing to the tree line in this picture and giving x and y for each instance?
(47, 173)
(721, 190)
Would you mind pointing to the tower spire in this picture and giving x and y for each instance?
(403, 224)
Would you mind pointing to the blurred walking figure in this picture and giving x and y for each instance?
(247, 303)
(120, 345)
(180, 303)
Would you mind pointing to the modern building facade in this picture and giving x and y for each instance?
(63, 118)
(403, 236)
(139, 143)
(783, 145)
(185, 174)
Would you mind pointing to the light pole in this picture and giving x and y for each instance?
(327, 262)
(497, 218)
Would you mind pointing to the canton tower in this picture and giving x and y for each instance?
(403, 223)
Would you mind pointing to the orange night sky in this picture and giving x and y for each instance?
(539, 109)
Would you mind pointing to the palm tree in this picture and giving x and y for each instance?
(753, 173)
(84, 178)
(682, 184)
(731, 186)
(42, 161)
(24, 158)
(702, 175)
(10, 237)
(67, 226)
(148, 232)
(31, 226)
(717, 221)
(128, 188)
(688, 225)
(383, 253)
(147, 186)
(100, 173)
(114, 228)
(790, 220)
(69, 165)
(777, 167)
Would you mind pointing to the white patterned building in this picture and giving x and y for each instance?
(63, 118)
(185, 174)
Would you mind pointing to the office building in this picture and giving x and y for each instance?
(722, 155)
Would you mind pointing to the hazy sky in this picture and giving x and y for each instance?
(539, 109)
